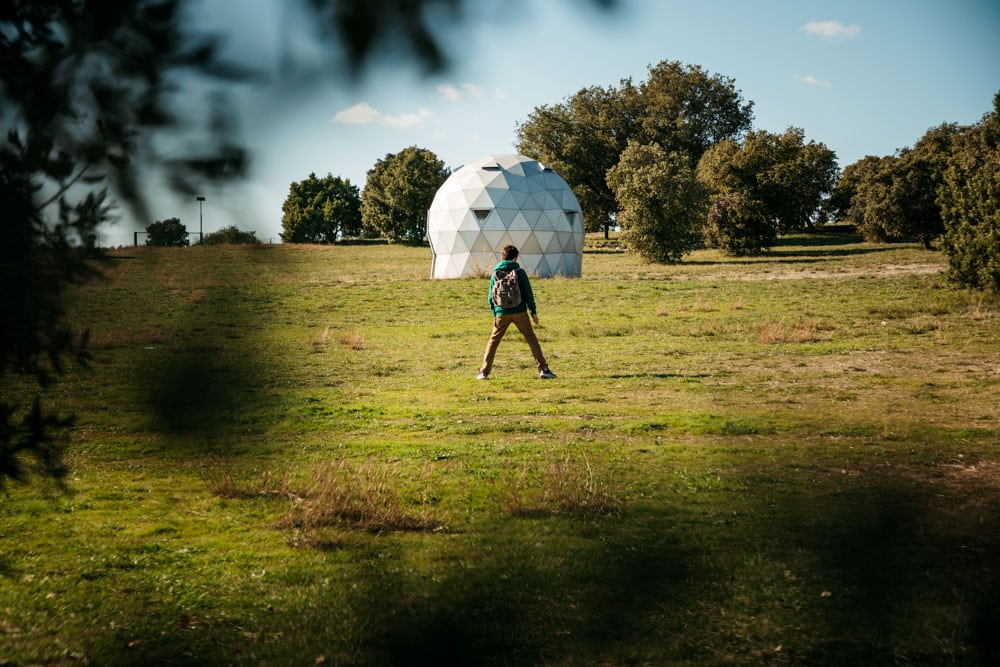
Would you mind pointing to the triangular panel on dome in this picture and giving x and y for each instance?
(518, 221)
(497, 238)
(572, 219)
(552, 246)
(457, 263)
(532, 215)
(544, 223)
(479, 244)
(545, 239)
(494, 221)
(557, 218)
(480, 262)
(543, 268)
(531, 246)
(507, 200)
(479, 198)
(517, 183)
(495, 194)
(516, 168)
(494, 179)
(567, 241)
(460, 219)
(465, 241)
(520, 196)
(470, 221)
(519, 237)
(534, 201)
(456, 200)
(529, 262)
(558, 264)
(549, 199)
(446, 241)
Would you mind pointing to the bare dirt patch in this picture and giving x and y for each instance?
(844, 272)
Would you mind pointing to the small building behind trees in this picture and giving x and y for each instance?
(502, 200)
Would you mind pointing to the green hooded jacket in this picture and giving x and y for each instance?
(527, 297)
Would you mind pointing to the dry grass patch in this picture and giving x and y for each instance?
(352, 340)
(361, 498)
(111, 339)
(801, 331)
(318, 342)
(224, 483)
(567, 486)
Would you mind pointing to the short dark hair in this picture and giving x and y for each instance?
(509, 252)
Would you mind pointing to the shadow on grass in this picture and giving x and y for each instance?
(521, 607)
(895, 574)
(211, 375)
(883, 573)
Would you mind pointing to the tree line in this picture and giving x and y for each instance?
(674, 163)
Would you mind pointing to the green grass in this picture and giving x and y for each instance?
(281, 456)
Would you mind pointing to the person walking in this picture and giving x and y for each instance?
(517, 314)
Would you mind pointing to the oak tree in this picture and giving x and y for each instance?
(398, 192)
(662, 203)
(321, 210)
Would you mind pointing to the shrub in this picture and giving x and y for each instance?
(230, 235)
(169, 232)
(970, 206)
(738, 225)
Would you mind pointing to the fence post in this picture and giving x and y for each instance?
(135, 238)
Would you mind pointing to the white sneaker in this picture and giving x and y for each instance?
(546, 374)
(481, 376)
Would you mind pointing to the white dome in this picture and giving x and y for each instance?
(504, 200)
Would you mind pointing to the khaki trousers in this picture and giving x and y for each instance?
(500, 325)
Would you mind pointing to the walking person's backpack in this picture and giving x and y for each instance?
(506, 291)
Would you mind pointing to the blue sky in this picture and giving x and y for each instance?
(864, 77)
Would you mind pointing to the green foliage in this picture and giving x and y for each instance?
(840, 205)
(687, 110)
(970, 205)
(169, 232)
(895, 197)
(321, 210)
(399, 190)
(231, 235)
(777, 181)
(680, 107)
(738, 225)
(662, 203)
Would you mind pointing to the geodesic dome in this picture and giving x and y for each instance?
(504, 200)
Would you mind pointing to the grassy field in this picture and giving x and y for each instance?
(281, 456)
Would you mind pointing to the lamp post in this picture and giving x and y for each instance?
(201, 235)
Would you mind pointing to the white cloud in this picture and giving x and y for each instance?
(359, 114)
(365, 114)
(473, 89)
(810, 80)
(454, 93)
(834, 30)
(450, 92)
(406, 119)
